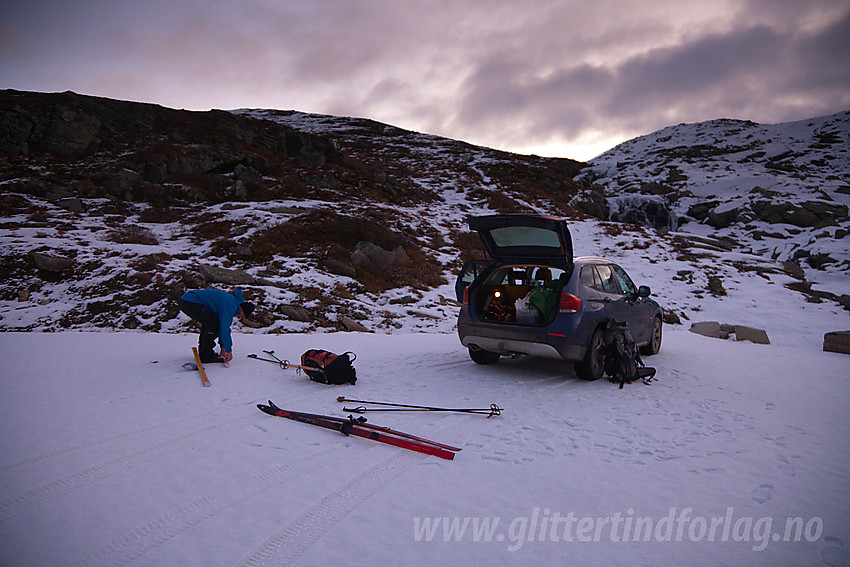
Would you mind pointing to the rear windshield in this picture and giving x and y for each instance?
(525, 236)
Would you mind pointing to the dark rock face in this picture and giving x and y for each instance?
(837, 341)
(98, 147)
(75, 125)
(52, 263)
(90, 147)
(642, 210)
(805, 215)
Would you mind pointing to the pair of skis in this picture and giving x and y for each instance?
(359, 428)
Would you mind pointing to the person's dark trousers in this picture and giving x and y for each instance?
(209, 328)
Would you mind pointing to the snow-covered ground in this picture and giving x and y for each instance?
(113, 454)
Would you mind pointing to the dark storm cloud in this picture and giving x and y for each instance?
(756, 72)
(824, 59)
(714, 75)
(749, 72)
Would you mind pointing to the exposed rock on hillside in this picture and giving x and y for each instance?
(70, 145)
(330, 214)
(112, 209)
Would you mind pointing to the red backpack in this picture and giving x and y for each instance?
(330, 368)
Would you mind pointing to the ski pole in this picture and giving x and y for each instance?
(493, 410)
(282, 363)
(255, 357)
(489, 412)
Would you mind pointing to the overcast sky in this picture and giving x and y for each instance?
(568, 78)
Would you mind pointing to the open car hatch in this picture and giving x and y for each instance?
(525, 239)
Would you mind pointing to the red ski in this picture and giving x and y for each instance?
(360, 428)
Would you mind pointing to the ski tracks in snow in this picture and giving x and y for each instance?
(287, 546)
(49, 491)
(124, 549)
(113, 443)
(282, 548)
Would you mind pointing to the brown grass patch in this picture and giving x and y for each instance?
(325, 234)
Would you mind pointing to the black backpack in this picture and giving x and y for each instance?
(330, 368)
(622, 359)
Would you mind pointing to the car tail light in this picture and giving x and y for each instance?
(569, 303)
(466, 295)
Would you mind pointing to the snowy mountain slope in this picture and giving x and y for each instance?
(778, 191)
(285, 226)
(142, 220)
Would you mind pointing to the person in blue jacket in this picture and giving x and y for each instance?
(214, 310)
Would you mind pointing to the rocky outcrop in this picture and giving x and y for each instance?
(296, 313)
(806, 214)
(215, 274)
(352, 325)
(51, 262)
(375, 258)
(717, 330)
(69, 124)
(644, 210)
(837, 341)
(147, 152)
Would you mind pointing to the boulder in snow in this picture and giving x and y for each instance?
(50, 263)
(837, 341)
(223, 275)
(758, 336)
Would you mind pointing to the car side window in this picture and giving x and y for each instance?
(609, 281)
(589, 278)
(499, 277)
(470, 272)
(626, 282)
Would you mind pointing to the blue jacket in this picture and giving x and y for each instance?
(223, 304)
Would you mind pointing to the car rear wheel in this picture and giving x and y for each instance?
(654, 344)
(480, 356)
(592, 366)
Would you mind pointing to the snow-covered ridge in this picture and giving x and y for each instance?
(779, 191)
(132, 255)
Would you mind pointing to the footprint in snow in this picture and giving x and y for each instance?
(687, 438)
(785, 466)
(763, 493)
(834, 554)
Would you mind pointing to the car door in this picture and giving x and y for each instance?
(611, 295)
(592, 297)
(638, 311)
